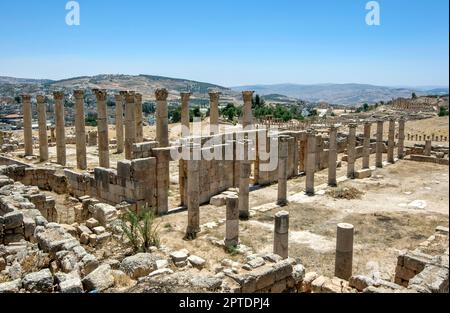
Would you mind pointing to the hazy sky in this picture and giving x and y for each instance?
(230, 42)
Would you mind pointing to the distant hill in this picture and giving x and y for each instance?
(13, 80)
(145, 84)
(343, 94)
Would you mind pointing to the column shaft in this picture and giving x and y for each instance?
(310, 162)
(119, 122)
(162, 118)
(281, 234)
(139, 119)
(379, 150)
(27, 125)
(366, 147)
(185, 119)
(391, 141)
(351, 151)
(60, 131)
(214, 112)
(42, 120)
(232, 222)
(282, 170)
(102, 128)
(130, 125)
(332, 157)
(401, 138)
(247, 118)
(344, 251)
(80, 129)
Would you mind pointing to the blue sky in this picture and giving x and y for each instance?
(230, 42)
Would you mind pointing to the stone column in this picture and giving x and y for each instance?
(332, 157)
(244, 180)
(247, 118)
(119, 121)
(427, 150)
(282, 170)
(214, 112)
(232, 222)
(42, 120)
(379, 151)
(310, 162)
(139, 119)
(344, 251)
(130, 125)
(351, 150)
(185, 119)
(391, 141)
(366, 145)
(102, 128)
(193, 193)
(401, 138)
(27, 124)
(162, 117)
(281, 234)
(80, 129)
(60, 131)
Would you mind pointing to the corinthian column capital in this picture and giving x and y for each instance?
(161, 94)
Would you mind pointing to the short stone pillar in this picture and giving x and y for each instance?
(193, 193)
(427, 150)
(391, 141)
(332, 156)
(162, 117)
(401, 138)
(42, 121)
(214, 113)
(119, 121)
(282, 170)
(139, 119)
(244, 180)
(52, 133)
(232, 222)
(80, 129)
(351, 150)
(185, 118)
(380, 146)
(281, 234)
(247, 118)
(344, 251)
(27, 124)
(60, 131)
(310, 162)
(366, 145)
(102, 128)
(130, 125)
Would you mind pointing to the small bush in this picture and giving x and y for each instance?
(348, 193)
(140, 230)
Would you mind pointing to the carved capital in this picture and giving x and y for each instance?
(161, 94)
(185, 96)
(78, 94)
(58, 95)
(248, 95)
(352, 125)
(138, 97)
(101, 95)
(119, 97)
(129, 97)
(214, 96)
(122, 93)
(40, 99)
(26, 98)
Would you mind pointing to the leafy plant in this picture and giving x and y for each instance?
(140, 230)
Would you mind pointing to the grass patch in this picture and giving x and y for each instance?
(347, 193)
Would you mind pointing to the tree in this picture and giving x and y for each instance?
(195, 112)
(148, 107)
(18, 99)
(175, 114)
(414, 96)
(443, 111)
(365, 107)
(91, 119)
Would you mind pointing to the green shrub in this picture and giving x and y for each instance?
(140, 230)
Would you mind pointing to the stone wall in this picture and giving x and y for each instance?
(133, 182)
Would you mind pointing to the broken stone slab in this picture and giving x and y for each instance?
(92, 223)
(162, 271)
(179, 256)
(71, 285)
(197, 261)
(99, 230)
(256, 262)
(364, 173)
(160, 264)
(41, 281)
(360, 282)
(104, 213)
(12, 220)
(209, 283)
(100, 279)
(11, 286)
(218, 200)
(138, 265)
